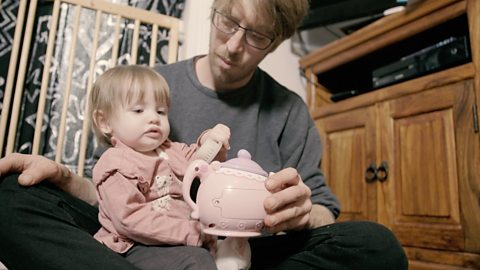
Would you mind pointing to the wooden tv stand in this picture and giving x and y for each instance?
(406, 155)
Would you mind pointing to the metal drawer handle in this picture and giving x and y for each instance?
(382, 171)
(371, 173)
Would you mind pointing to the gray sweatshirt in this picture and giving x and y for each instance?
(265, 118)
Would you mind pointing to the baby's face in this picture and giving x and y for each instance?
(142, 125)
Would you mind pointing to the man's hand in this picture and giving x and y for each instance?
(34, 169)
(290, 207)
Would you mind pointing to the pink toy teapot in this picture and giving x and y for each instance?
(230, 197)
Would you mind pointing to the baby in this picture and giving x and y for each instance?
(138, 179)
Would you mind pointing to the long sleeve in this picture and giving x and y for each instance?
(301, 148)
(133, 217)
(140, 200)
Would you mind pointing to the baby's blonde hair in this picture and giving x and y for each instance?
(120, 86)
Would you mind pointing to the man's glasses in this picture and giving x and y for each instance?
(228, 26)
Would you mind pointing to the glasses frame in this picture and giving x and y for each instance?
(238, 27)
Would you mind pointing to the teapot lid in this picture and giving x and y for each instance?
(244, 162)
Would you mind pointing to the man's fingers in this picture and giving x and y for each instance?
(296, 223)
(282, 180)
(32, 168)
(26, 179)
(290, 212)
(289, 196)
(10, 163)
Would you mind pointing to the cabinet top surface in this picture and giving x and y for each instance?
(378, 28)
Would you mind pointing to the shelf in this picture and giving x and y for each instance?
(387, 30)
(449, 76)
(359, 71)
(348, 64)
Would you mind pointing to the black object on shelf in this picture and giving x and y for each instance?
(444, 54)
(395, 62)
(325, 12)
(344, 95)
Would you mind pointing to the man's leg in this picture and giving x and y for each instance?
(344, 245)
(171, 257)
(42, 227)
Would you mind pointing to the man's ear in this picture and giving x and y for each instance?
(101, 122)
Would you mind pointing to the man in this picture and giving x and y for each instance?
(226, 86)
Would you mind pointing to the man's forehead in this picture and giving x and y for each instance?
(245, 12)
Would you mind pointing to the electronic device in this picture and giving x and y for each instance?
(343, 95)
(327, 12)
(444, 54)
(329, 20)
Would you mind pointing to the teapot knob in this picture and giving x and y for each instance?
(244, 162)
(244, 154)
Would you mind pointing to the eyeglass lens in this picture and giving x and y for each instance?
(229, 26)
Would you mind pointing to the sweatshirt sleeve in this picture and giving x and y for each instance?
(301, 148)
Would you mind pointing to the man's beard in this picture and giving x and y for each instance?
(226, 77)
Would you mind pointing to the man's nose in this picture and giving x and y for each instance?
(236, 42)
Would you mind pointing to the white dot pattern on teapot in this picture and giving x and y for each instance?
(239, 173)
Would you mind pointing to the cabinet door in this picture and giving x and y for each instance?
(431, 148)
(349, 148)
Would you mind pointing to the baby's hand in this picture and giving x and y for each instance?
(220, 133)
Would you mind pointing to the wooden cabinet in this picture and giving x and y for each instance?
(406, 155)
(349, 140)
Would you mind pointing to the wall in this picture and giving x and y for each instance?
(282, 64)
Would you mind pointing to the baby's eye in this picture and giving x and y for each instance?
(137, 110)
(162, 112)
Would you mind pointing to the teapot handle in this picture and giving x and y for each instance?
(198, 168)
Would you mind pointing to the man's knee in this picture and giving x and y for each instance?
(377, 241)
(8, 189)
(9, 181)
